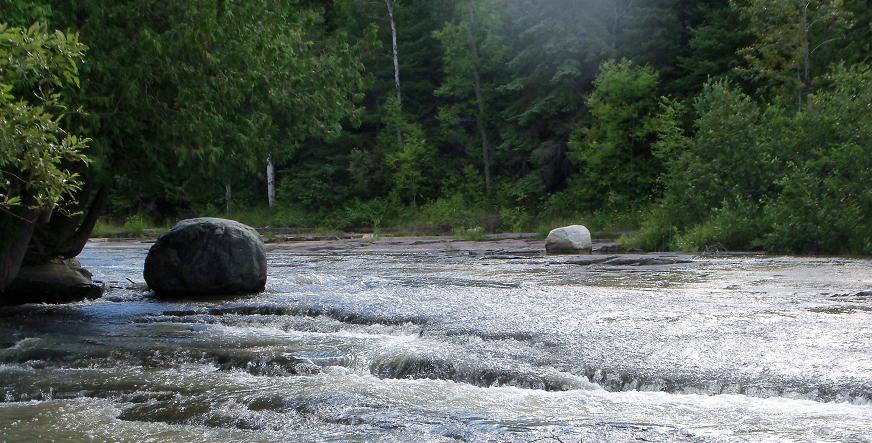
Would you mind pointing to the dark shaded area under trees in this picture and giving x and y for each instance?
(700, 124)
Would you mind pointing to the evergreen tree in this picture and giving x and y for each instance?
(716, 37)
(473, 56)
(788, 35)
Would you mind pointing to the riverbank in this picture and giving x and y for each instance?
(456, 222)
(489, 244)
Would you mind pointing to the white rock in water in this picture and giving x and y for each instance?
(573, 239)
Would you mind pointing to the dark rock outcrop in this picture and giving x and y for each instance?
(40, 243)
(206, 256)
(859, 295)
(58, 281)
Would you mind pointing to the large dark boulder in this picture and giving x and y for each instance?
(206, 256)
(58, 281)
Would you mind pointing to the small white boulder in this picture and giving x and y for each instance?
(573, 239)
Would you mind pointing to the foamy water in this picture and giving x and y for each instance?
(437, 346)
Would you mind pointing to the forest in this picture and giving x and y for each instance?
(684, 125)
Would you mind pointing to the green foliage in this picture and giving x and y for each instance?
(262, 66)
(372, 213)
(788, 34)
(469, 234)
(753, 176)
(23, 13)
(190, 96)
(656, 232)
(103, 229)
(314, 187)
(721, 161)
(614, 155)
(713, 46)
(731, 227)
(134, 225)
(408, 156)
(473, 52)
(445, 214)
(676, 118)
(719, 164)
(515, 219)
(826, 202)
(36, 153)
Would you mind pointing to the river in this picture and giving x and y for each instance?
(448, 344)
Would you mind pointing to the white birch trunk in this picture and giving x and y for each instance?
(270, 182)
(390, 6)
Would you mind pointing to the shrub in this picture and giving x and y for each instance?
(451, 212)
(135, 225)
(826, 202)
(656, 233)
(371, 213)
(469, 234)
(515, 219)
(731, 227)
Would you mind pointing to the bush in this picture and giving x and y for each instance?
(313, 187)
(515, 219)
(135, 225)
(811, 217)
(751, 176)
(732, 227)
(368, 214)
(105, 228)
(656, 233)
(469, 234)
(447, 214)
(826, 202)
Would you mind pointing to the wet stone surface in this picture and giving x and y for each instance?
(438, 340)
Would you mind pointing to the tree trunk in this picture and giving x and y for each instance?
(73, 244)
(227, 196)
(485, 146)
(396, 56)
(390, 6)
(15, 233)
(270, 182)
(66, 235)
(806, 58)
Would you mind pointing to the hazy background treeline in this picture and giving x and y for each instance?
(697, 124)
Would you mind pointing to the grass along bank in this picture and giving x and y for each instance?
(437, 218)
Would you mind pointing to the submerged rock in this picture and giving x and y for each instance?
(206, 256)
(861, 295)
(58, 281)
(573, 239)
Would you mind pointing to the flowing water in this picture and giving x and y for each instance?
(442, 345)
